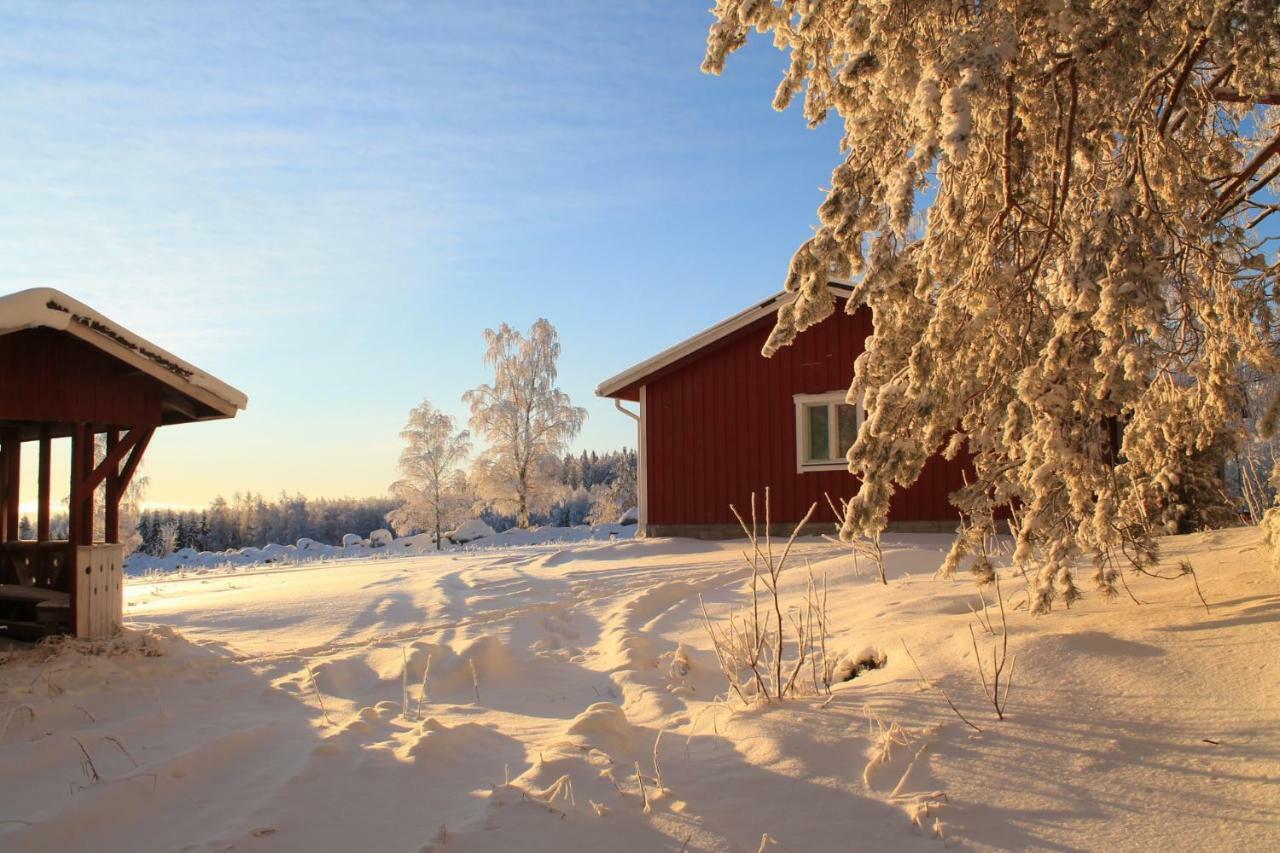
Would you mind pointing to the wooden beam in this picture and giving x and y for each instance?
(4, 487)
(13, 482)
(81, 513)
(74, 522)
(111, 526)
(43, 485)
(111, 462)
(73, 499)
(131, 464)
(89, 448)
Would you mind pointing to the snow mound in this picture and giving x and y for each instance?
(470, 531)
(604, 726)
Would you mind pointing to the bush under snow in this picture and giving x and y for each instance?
(470, 531)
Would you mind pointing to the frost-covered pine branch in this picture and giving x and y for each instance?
(1091, 177)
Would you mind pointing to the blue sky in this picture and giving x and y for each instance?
(325, 204)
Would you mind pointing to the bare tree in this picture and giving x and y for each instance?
(429, 489)
(526, 420)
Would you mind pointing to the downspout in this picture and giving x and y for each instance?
(617, 404)
(640, 466)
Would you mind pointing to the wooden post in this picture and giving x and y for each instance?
(4, 488)
(81, 510)
(13, 480)
(86, 494)
(112, 509)
(73, 523)
(42, 485)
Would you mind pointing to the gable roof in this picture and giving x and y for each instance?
(44, 307)
(616, 386)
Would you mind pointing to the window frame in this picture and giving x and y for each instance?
(832, 399)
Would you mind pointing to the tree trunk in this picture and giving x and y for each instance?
(522, 515)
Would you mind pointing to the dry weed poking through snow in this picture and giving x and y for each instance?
(756, 641)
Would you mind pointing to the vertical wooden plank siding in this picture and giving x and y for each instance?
(721, 425)
(53, 378)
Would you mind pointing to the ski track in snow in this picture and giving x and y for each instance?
(275, 719)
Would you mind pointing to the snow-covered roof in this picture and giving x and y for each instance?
(44, 307)
(617, 384)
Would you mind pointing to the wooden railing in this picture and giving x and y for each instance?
(40, 564)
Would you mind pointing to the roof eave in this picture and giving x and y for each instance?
(616, 385)
(45, 307)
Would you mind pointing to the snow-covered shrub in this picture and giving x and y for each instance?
(850, 666)
(470, 531)
(380, 538)
(351, 540)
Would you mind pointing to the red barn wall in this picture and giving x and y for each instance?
(721, 424)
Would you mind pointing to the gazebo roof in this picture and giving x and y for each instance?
(47, 308)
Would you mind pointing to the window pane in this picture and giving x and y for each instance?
(819, 434)
(848, 422)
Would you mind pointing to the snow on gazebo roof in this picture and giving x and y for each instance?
(44, 307)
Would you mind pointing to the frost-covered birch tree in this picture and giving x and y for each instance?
(431, 489)
(1051, 208)
(526, 420)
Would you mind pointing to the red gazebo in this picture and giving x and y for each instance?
(67, 371)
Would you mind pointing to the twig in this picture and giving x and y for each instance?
(1188, 569)
(404, 683)
(657, 770)
(927, 683)
(120, 746)
(86, 763)
(422, 694)
(644, 795)
(319, 696)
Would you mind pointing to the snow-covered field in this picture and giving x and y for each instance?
(266, 710)
(378, 544)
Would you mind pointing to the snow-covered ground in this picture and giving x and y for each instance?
(266, 711)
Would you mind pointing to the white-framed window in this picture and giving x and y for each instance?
(826, 427)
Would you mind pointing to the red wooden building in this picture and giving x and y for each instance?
(68, 372)
(719, 421)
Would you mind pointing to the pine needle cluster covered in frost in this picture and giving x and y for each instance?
(1050, 208)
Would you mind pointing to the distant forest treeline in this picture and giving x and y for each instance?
(250, 520)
